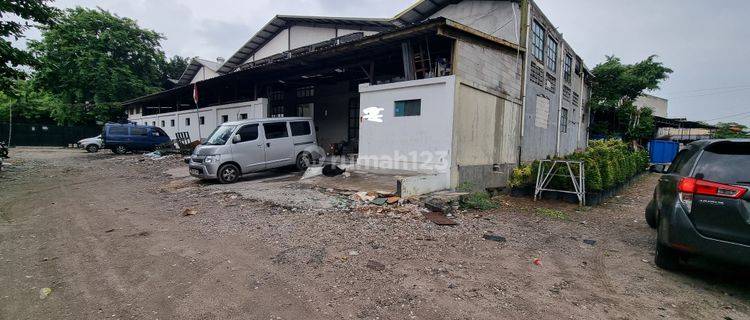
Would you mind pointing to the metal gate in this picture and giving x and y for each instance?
(25, 134)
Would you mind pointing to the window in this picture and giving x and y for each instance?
(275, 130)
(276, 95)
(725, 162)
(139, 131)
(163, 123)
(187, 122)
(202, 120)
(552, 55)
(248, 133)
(224, 118)
(277, 111)
(567, 67)
(243, 116)
(153, 123)
(307, 91)
(171, 123)
(159, 132)
(564, 120)
(300, 128)
(406, 108)
(118, 131)
(537, 41)
(305, 110)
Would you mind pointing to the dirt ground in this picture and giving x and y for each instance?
(106, 234)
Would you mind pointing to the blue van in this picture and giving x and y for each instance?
(121, 138)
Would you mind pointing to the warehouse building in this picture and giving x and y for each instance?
(461, 91)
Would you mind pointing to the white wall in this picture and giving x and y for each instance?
(203, 74)
(658, 105)
(301, 36)
(491, 17)
(278, 44)
(212, 116)
(418, 143)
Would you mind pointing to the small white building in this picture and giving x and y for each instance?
(462, 91)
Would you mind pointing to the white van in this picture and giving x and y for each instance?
(241, 147)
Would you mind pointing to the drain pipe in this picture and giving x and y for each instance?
(524, 76)
(560, 80)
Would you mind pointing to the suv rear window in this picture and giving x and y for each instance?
(725, 162)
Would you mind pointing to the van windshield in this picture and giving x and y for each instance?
(220, 135)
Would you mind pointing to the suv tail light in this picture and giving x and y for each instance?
(688, 187)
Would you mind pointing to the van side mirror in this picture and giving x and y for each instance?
(236, 138)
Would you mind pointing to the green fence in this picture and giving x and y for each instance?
(25, 134)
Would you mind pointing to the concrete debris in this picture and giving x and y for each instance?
(379, 201)
(440, 219)
(493, 237)
(332, 170)
(189, 212)
(353, 253)
(440, 205)
(312, 172)
(589, 242)
(393, 200)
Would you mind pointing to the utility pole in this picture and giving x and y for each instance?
(10, 122)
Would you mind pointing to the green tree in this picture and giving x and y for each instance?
(731, 130)
(93, 60)
(29, 104)
(172, 69)
(26, 13)
(614, 89)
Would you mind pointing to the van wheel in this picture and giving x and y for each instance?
(304, 160)
(228, 173)
(92, 148)
(120, 150)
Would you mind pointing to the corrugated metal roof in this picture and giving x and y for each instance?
(193, 67)
(281, 22)
(421, 10)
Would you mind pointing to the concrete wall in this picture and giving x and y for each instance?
(494, 69)
(212, 117)
(658, 105)
(278, 44)
(492, 17)
(419, 143)
(203, 74)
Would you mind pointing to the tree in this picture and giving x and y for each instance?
(93, 60)
(11, 57)
(29, 104)
(731, 130)
(614, 89)
(172, 69)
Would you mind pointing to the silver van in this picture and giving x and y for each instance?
(241, 147)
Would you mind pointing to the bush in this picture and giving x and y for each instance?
(521, 176)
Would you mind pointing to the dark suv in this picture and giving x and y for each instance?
(701, 205)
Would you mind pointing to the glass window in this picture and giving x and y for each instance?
(564, 120)
(307, 91)
(139, 131)
(725, 162)
(220, 135)
(224, 118)
(163, 123)
(159, 132)
(171, 123)
(300, 128)
(202, 120)
(552, 55)
(153, 123)
(567, 67)
(276, 95)
(243, 116)
(275, 130)
(537, 41)
(248, 133)
(406, 108)
(118, 131)
(187, 122)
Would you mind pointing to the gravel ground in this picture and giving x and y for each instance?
(107, 235)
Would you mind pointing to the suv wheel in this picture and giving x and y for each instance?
(666, 257)
(303, 161)
(651, 214)
(92, 148)
(228, 173)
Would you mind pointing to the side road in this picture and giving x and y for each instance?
(107, 236)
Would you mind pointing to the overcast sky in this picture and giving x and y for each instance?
(705, 42)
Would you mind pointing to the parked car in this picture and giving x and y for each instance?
(121, 138)
(238, 148)
(92, 144)
(701, 205)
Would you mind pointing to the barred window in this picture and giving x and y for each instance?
(307, 91)
(564, 120)
(567, 66)
(552, 55)
(537, 41)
